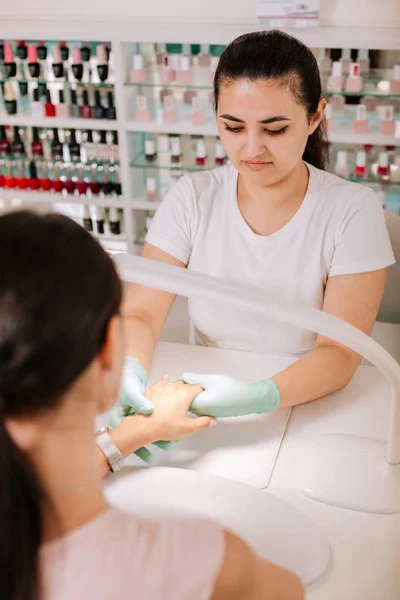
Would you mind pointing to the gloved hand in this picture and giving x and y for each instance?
(227, 397)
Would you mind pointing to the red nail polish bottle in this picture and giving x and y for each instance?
(21, 180)
(2, 171)
(201, 153)
(50, 109)
(81, 185)
(37, 147)
(33, 178)
(220, 154)
(57, 184)
(383, 165)
(9, 179)
(86, 109)
(44, 180)
(94, 184)
(360, 169)
(69, 184)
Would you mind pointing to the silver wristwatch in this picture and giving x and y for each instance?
(109, 449)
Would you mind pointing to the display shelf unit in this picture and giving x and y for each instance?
(123, 35)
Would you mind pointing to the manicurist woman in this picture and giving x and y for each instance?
(274, 219)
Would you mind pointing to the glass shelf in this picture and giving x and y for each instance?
(187, 165)
(42, 159)
(60, 82)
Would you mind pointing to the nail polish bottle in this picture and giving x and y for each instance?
(43, 176)
(87, 219)
(85, 52)
(220, 154)
(22, 54)
(184, 75)
(62, 109)
(9, 179)
(213, 68)
(111, 112)
(337, 101)
(169, 113)
(100, 219)
(56, 146)
(99, 112)
(102, 65)
(74, 147)
(345, 59)
(24, 102)
(42, 56)
(360, 169)
(354, 82)
(56, 182)
(115, 221)
(383, 166)
(363, 60)
(188, 96)
(77, 66)
(58, 65)
(69, 180)
(204, 58)
(163, 152)
(21, 181)
(167, 74)
(37, 109)
(335, 81)
(10, 66)
(198, 117)
(138, 73)
(17, 146)
(395, 82)
(201, 153)
(151, 188)
(50, 109)
(94, 184)
(324, 61)
(103, 150)
(360, 123)
(86, 109)
(74, 109)
(5, 146)
(42, 89)
(89, 148)
(80, 183)
(33, 64)
(386, 124)
(107, 185)
(341, 166)
(36, 146)
(10, 101)
(397, 130)
(64, 50)
(117, 182)
(142, 114)
(33, 178)
(328, 118)
(161, 52)
(176, 153)
(370, 102)
(150, 153)
(114, 158)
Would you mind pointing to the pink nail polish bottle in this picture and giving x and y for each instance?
(204, 58)
(198, 116)
(214, 65)
(360, 169)
(370, 102)
(328, 117)
(354, 82)
(397, 130)
(345, 59)
(335, 81)
(360, 123)
(337, 101)
(138, 74)
(142, 113)
(341, 166)
(168, 74)
(188, 96)
(383, 165)
(151, 188)
(185, 73)
(363, 60)
(169, 112)
(386, 125)
(395, 82)
(324, 61)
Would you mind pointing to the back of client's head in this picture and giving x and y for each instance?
(58, 292)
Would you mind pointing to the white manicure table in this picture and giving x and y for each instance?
(268, 452)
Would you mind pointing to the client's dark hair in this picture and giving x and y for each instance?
(276, 55)
(58, 291)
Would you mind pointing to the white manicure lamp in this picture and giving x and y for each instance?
(344, 470)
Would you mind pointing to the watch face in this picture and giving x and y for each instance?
(102, 430)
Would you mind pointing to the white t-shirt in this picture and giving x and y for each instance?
(117, 556)
(338, 229)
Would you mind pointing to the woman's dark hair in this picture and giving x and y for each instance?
(58, 291)
(276, 55)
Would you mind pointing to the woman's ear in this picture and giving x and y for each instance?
(318, 115)
(110, 360)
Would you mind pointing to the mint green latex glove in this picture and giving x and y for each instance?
(132, 399)
(227, 397)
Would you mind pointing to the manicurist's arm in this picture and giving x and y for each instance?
(330, 366)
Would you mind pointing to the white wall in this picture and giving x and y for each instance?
(333, 12)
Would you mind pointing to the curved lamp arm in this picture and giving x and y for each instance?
(185, 283)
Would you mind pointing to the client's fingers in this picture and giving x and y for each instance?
(201, 423)
(163, 445)
(144, 455)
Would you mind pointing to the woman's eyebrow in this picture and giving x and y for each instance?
(264, 121)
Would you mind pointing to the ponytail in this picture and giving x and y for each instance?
(316, 152)
(20, 523)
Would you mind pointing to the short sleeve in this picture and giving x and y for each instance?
(363, 243)
(185, 558)
(172, 226)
